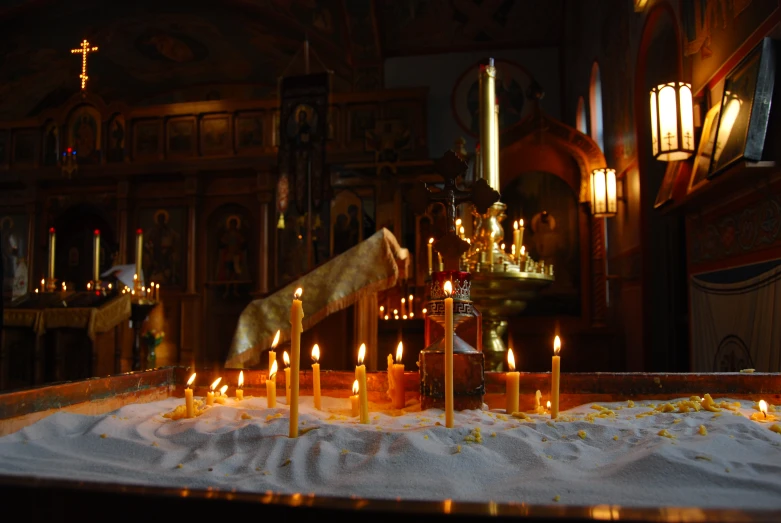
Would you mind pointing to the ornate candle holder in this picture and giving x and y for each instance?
(468, 364)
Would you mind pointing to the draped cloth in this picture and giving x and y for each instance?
(372, 266)
(736, 319)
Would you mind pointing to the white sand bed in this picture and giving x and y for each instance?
(487, 456)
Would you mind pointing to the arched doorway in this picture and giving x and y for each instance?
(664, 284)
(74, 249)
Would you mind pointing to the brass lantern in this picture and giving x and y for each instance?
(603, 192)
(672, 121)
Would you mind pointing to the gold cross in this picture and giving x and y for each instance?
(83, 50)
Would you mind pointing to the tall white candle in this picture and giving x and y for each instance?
(96, 256)
(555, 378)
(296, 328)
(52, 245)
(448, 288)
(139, 249)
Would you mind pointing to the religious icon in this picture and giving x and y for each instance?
(162, 251)
(84, 134)
(181, 137)
(232, 256)
(214, 135)
(249, 130)
(147, 138)
(116, 140)
(14, 261)
(50, 144)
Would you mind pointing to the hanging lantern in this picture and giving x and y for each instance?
(603, 192)
(672, 121)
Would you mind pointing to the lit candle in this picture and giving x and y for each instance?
(222, 394)
(448, 355)
(520, 232)
(64, 287)
(397, 371)
(188, 398)
(157, 291)
(411, 308)
(139, 249)
(390, 376)
(382, 311)
(441, 263)
(555, 378)
(430, 247)
(271, 386)
(296, 328)
(240, 387)
(43, 284)
(316, 375)
(763, 408)
(52, 244)
(516, 235)
(272, 358)
(363, 393)
(404, 306)
(548, 405)
(355, 401)
(152, 290)
(210, 394)
(96, 256)
(512, 384)
(286, 361)
(461, 232)
(89, 286)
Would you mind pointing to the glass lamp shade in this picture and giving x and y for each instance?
(672, 121)
(603, 192)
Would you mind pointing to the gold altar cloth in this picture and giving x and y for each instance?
(371, 266)
(91, 319)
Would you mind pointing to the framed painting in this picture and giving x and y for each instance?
(215, 135)
(147, 139)
(745, 109)
(512, 82)
(163, 259)
(249, 131)
(85, 135)
(25, 148)
(180, 137)
(361, 118)
(704, 154)
(115, 141)
(665, 194)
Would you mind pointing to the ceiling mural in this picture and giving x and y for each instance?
(431, 26)
(153, 51)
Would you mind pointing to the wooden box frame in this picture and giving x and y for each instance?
(224, 150)
(192, 151)
(267, 128)
(157, 155)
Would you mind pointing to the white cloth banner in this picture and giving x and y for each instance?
(737, 324)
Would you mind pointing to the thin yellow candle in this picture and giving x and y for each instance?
(296, 319)
(520, 231)
(139, 249)
(52, 244)
(188, 398)
(555, 378)
(240, 387)
(448, 288)
(411, 306)
(512, 384)
(96, 256)
(316, 376)
(430, 247)
(363, 393)
(271, 386)
(441, 263)
(390, 376)
(286, 361)
(404, 306)
(210, 394)
(221, 395)
(516, 236)
(355, 402)
(397, 371)
(157, 291)
(272, 358)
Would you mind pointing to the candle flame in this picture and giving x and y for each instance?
(135, 277)
(511, 360)
(461, 230)
(273, 371)
(223, 390)
(556, 345)
(191, 380)
(157, 286)
(382, 308)
(395, 312)
(386, 316)
(431, 240)
(503, 246)
(549, 404)
(763, 407)
(404, 300)
(276, 341)
(458, 222)
(515, 225)
(523, 249)
(425, 310)
(286, 359)
(361, 353)
(410, 297)
(241, 379)
(316, 353)
(399, 352)
(355, 388)
(43, 281)
(214, 385)
(448, 288)
(298, 293)
(521, 222)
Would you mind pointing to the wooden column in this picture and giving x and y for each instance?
(190, 308)
(122, 225)
(32, 211)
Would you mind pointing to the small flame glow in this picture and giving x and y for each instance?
(503, 246)
(273, 371)
(410, 298)
(241, 379)
(515, 225)
(556, 345)
(298, 293)
(461, 230)
(763, 407)
(316, 353)
(386, 316)
(548, 404)
(276, 341)
(361, 353)
(382, 308)
(458, 222)
(521, 222)
(223, 390)
(404, 300)
(431, 240)
(448, 288)
(214, 385)
(399, 352)
(191, 380)
(511, 360)
(356, 388)
(523, 250)
(286, 359)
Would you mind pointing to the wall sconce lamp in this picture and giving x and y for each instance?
(604, 197)
(672, 121)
